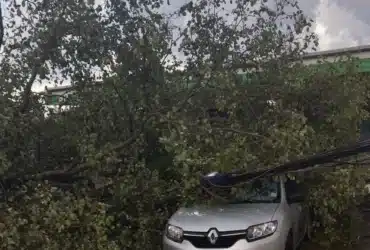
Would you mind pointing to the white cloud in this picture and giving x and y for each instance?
(338, 23)
(339, 27)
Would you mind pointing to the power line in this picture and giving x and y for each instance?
(232, 179)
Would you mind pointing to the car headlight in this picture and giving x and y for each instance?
(174, 233)
(261, 230)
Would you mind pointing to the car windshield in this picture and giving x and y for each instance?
(263, 190)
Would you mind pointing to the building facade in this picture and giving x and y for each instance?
(56, 95)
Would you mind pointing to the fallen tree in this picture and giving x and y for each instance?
(107, 173)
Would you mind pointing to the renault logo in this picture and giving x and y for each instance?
(212, 236)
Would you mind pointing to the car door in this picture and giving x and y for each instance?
(295, 195)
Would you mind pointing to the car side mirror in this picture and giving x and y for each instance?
(296, 198)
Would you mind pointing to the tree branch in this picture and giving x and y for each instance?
(1, 27)
(236, 131)
(50, 44)
(28, 88)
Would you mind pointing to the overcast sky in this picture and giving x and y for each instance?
(338, 23)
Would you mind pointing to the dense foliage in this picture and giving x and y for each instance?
(169, 105)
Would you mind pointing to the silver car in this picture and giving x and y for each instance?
(268, 215)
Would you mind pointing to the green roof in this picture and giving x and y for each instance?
(364, 65)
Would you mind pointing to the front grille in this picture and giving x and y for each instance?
(225, 239)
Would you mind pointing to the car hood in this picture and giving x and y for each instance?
(224, 218)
